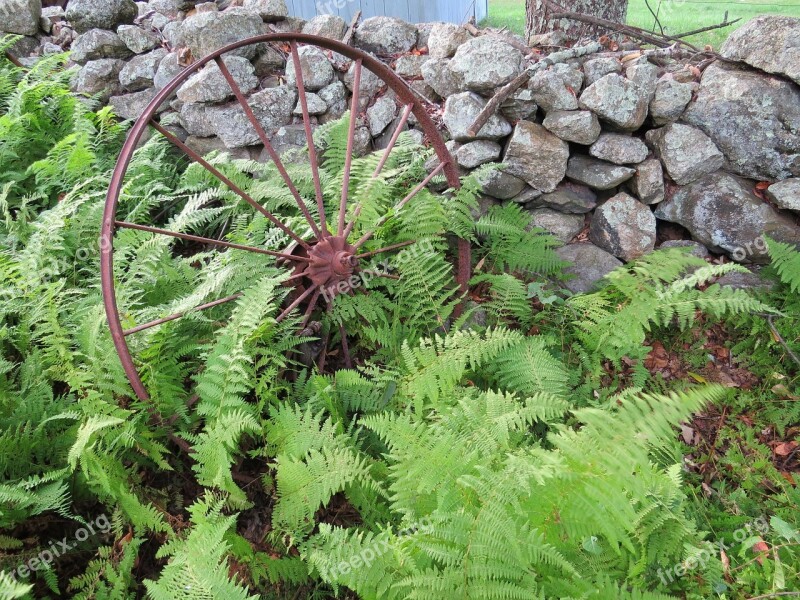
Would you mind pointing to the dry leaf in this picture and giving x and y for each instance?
(785, 449)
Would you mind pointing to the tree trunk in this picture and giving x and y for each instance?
(539, 17)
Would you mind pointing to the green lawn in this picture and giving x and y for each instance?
(676, 16)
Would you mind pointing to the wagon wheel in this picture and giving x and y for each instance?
(325, 256)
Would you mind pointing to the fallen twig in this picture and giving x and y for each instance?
(352, 29)
(629, 30)
(776, 334)
(725, 23)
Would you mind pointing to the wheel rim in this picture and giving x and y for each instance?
(326, 260)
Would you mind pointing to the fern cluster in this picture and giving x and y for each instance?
(457, 459)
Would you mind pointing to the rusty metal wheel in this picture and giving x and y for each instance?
(320, 259)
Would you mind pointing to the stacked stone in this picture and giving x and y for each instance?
(595, 148)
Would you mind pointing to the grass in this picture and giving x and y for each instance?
(676, 16)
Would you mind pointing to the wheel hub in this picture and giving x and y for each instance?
(333, 263)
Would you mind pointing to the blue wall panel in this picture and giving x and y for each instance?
(414, 11)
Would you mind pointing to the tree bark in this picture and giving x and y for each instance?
(539, 19)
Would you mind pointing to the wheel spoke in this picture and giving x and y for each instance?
(351, 135)
(386, 249)
(295, 304)
(312, 304)
(312, 150)
(348, 362)
(175, 316)
(367, 236)
(262, 135)
(398, 130)
(209, 241)
(384, 275)
(232, 186)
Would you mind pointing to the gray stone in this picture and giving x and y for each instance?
(381, 114)
(131, 106)
(98, 43)
(99, 77)
(168, 69)
(410, 65)
(597, 68)
(172, 33)
(20, 16)
(335, 97)
(24, 48)
(371, 84)
(206, 7)
(527, 196)
(588, 265)
(520, 106)
(206, 32)
(209, 84)
(475, 154)
(722, 212)
(768, 42)
(362, 144)
(485, 205)
(648, 182)
(499, 184)
(687, 152)
(785, 194)
(316, 105)
(268, 61)
(329, 26)
(486, 63)
(433, 161)
(206, 145)
(273, 109)
(445, 38)
(753, 118)
(386, 35)
(460, 112)
(442, 79)
(423, 90)
(645, 75)
(743, 281)
(619, 149)
(84, 15)
(670, 100)
(289, 25)
(170, 8)
(50, 16)
(568, 197)
(597, 174)
(552, 90)
(140, 71)
(269, 10)
(291, 137)
(695, 248)
(137, 39)
(424, 33)
(316, 69)
(579, 126)
(620, 102)
(624, 227)
(537, 156)
(198, 120)
(562, 226)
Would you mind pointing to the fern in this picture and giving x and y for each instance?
(196, 567)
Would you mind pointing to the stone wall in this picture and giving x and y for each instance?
(612, 153)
